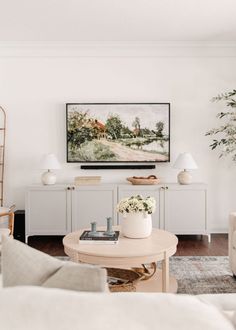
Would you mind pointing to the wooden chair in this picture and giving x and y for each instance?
(7, 231)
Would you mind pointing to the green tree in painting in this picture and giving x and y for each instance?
(75, 120)
(159, 127)
(146, 132)
(126, 132)
(79, 129)
(136, 125)
(114, 126)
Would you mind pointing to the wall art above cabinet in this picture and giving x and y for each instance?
(118, 132)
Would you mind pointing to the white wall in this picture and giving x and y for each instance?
(34, 90)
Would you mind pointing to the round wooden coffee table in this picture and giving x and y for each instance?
(129, 253)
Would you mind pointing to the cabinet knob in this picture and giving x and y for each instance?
(73, 188)
(68, 188)
(167, 188)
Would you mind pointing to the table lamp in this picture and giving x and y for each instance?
(186, 162)
(49, 162)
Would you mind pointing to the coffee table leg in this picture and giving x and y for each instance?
(165, 275)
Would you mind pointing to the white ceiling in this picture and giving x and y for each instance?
(118, 20)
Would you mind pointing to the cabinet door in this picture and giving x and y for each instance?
(48, 211)
(93, 203)
(185, 211)
(145, 191)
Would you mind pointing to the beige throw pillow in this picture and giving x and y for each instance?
(23, 265)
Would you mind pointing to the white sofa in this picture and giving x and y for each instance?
(27, 303)
(232, 241)
(38, 308)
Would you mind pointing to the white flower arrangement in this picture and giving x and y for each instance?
(135, 204)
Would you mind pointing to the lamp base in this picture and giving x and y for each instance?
(49, 178)
(184, 177)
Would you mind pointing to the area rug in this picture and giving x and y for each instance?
(200, 275)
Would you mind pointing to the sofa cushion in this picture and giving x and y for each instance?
(234, 240)
(23, 265)
(224, 302)
(233, 252)
(44, 308)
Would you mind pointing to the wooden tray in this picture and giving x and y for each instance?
(151, 179)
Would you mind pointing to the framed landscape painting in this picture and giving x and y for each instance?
(118, 132)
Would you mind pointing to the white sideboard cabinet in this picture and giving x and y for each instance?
(59, 209)
(48, 210)
(93, 203)
(185, 209)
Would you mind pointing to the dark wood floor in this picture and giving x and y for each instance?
(188, 245)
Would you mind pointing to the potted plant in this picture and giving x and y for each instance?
(225, 134)
(137, 220)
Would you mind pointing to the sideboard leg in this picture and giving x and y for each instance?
(165, 275)
(209, 238)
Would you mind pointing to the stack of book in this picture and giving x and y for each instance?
(87, 180)
(100, 237)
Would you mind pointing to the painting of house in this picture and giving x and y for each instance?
(118, 132)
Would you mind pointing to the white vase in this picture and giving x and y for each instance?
(136, 225)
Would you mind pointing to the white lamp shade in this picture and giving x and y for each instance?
(50, 162)
(185, 161)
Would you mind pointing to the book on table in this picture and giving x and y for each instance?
(101, 237)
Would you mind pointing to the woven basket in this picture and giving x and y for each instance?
(127, 279)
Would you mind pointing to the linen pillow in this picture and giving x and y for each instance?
(23, 265)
